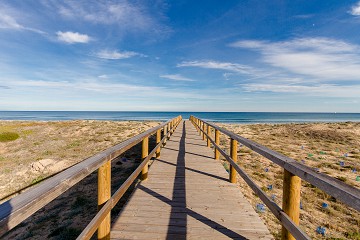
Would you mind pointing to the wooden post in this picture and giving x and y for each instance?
(291, 201)
(203, 132)
(217, 141)
(158, 139)
(144, 153)
(165, 133)
(104, 194)
(168, 129)
(200, 127)
(233, 153)
(208, 133)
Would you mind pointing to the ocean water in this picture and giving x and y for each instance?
(225, 117)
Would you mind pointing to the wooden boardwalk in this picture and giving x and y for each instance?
(188, 196)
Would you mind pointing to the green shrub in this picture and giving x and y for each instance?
(8, 136)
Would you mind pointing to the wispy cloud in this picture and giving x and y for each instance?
(72, 37)
(104, 76)
(176, 77)
(7, 21)
(321, 58)
(234, 67)
(114, 55)
(128, 16)
(355, 10)
(317, 90)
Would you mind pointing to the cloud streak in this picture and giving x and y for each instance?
(320, 58)
(7, 21)
(176, 77)
(234, 67)
(115, 55)
(327, 90)
(127, 16)
(72, 37)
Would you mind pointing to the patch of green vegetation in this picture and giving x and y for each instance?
(37, 179)
(27, 132)
(2, 158)
(47, 152)
(74, 144)
(353, 235)
(8, 136)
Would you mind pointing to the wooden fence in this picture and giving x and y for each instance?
(294, 171)
(17, 209)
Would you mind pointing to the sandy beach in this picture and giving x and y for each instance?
(330, 148)
(44, 148)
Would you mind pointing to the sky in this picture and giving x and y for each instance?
(155, 55)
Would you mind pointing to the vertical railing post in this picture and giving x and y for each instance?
(104, 193)
(208, 133)
(200, 127)
(203, 133)
(233, 153)
(291, 201)
(165, 133)
(217, 141)
(144, 153)
(158, 139)
(169, 130)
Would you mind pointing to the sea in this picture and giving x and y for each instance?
(224, 117)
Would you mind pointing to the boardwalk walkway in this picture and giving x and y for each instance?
(188, 196)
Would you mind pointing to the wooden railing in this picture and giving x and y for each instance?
(294, 171)
(17, 209)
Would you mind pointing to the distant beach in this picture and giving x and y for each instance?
(224, 117)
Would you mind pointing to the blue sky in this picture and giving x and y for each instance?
(289, 56)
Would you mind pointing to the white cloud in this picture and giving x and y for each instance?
(129, 16)
(114, 55)
(9, 22)
(355, 10)
(321, 58)
(72, 37)
(234, 67)
(176, 77)
(104, 76)
(327, 90)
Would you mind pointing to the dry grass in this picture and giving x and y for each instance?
(322, 146)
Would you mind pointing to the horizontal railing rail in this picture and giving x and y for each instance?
(19, 208)
(293, 171)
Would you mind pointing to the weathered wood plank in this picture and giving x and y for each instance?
(187, 195)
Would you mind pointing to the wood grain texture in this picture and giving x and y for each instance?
(188, 196)
(291, 201)
(104, 193)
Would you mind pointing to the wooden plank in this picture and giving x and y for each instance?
(187, 194)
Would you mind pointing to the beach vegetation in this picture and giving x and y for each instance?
(8, 136)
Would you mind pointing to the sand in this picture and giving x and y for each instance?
(319, 145)
(45, 148)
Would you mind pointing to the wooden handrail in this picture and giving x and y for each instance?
(100, 216)
(345, 193)
(17, 209)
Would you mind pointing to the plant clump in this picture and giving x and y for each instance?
(8, 136)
